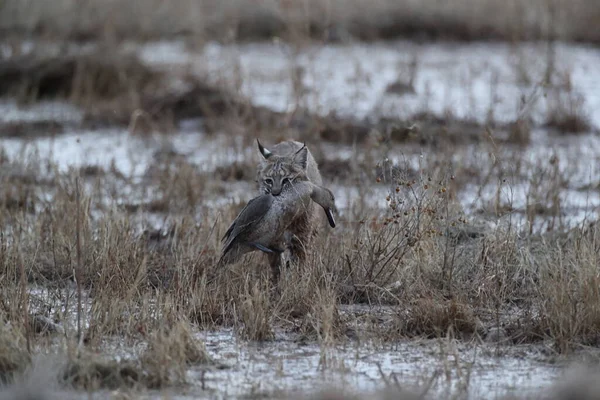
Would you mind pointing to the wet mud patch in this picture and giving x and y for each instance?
(333, 169)
(24, 130)
(422, 129)
(237, 171)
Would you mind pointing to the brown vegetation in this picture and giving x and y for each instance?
(86, 78)
(14, 357)
(104, 271)
(115, 89)
(327, 20)
(419, 257)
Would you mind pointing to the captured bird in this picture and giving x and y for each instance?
(262, 223)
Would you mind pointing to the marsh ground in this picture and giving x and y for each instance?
(465, 260)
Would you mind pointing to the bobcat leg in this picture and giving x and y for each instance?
(275, 263)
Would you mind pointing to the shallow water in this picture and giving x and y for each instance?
(442, 368)
(449, 368)
(578, 166)
(466, 80)
(42, 111)
(131, 155)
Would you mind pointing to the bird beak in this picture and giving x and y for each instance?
(330, 217)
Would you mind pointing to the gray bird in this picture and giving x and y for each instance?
(262, 223)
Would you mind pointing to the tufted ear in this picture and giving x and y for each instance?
(265, 153)
(301, 157)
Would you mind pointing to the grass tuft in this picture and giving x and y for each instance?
(14, 357)
(92, 372)
(170, 352)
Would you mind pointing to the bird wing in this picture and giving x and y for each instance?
(252, 213)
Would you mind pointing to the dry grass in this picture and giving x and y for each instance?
(255, 312)
(419, 256)
(329, 20)
(437, 318)
(170, 352)
(439, 283)
(92, 372)
(14, 357)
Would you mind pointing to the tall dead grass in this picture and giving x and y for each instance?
(421, 256)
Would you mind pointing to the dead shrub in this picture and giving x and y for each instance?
(408, 246)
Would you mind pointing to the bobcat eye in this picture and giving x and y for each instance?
(286, 181)
(269, 182)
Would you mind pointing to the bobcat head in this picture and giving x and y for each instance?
(277, 172)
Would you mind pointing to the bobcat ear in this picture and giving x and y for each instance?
(265, 153)
(301, 157)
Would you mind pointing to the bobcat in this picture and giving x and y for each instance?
(281, 166)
